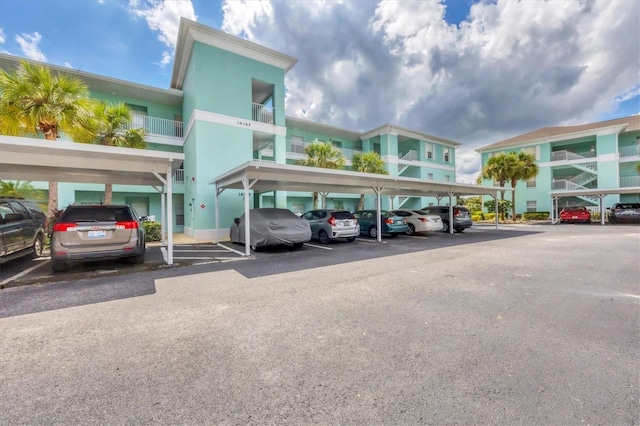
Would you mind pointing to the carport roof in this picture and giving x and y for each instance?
(31, 159)
(595, 191)
(267, 176)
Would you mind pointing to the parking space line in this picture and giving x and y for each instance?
(42, 261)
(367, 240)
(320, 247)
(199, 251)
(230, 249)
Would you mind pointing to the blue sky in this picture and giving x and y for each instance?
(475, 71)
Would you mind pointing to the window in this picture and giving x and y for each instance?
(446, 152)
(428, 149)
(533, 150)
(430, 176)
(532, 206)
(531, 183)
(447, 178)
(496, 183)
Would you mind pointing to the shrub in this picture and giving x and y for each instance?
(536, 216)
(153, 231)
(476, 217)
(504, 207)
(489, 216)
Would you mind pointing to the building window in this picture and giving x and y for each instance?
(531, 183)
(533, 150)
(532, 206)
(428, 149)
(447, 178)
(496, 183)
(430, 176)
(446, 154)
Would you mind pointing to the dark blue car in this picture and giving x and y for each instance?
(392, 224)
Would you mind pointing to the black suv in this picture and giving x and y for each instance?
(461, 217)
(624, 212)
(21, 229)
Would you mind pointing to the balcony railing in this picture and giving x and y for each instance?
(629, 181)
(178, 177)
(262, 113)
(565, 155)
(630, 151)
(156, 126)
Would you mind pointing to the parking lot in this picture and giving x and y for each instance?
(526, 324)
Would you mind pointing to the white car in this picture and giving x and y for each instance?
(419, 221)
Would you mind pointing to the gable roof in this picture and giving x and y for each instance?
(550, 134)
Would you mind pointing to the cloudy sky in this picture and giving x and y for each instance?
(474, 71)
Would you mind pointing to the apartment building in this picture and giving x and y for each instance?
(585, 161)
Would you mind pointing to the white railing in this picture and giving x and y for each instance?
(567, 185)
(178, 177)
(156, 126)
(629, 181)
(582, 178)
(630, 151)
(412, 155)
(565, 155)
(348, 153)
(296, 146)
(262, 113)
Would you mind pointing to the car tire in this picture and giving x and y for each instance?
(373, 232)
(38, 247)
(458, 230)
(58, 266)
(351, 239)
(254, 248)
(298, 245)
(411, 229)
(323, 237)
(445, 227)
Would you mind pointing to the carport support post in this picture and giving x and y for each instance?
(496, 210)
(163, 214)
(451, 212)
(217, 212)
(169, 214)
(247, 219)
(601, 198)
(378, 190)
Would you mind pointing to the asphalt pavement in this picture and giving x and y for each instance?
(534, 325)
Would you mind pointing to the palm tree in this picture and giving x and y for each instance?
(326, 156)
(525, 168)
(19, 189)
(499, 168)
(112, 122)
(34, 101)
(367, 162)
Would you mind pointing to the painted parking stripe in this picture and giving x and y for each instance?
(320, 247)
(41, 261)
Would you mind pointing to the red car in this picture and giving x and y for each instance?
(575, 214)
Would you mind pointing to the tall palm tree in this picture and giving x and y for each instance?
(367, 162)
(500, 168)
(326, 156)
(20, 189)
(112, 121)
(34, 101)
(524, 169)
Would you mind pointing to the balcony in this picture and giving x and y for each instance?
(178, 177)
(630, 181)
(262, 113)
(629, 151)
(155, 126)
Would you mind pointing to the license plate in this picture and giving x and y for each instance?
(574, 217)
(97, 234)
(346, 223)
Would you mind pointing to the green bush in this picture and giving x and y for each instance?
(476, 217)
(535, 216)
(153, 231)
(504, 207)
(489, 216)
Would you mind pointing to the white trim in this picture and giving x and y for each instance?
(228, 120)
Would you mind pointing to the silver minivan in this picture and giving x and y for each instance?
(96, 232)
(327, 225)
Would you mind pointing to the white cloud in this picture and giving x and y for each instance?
(1, 36)
(29, 46)
(163, 16)
(166, 59)
(68, 65)
(511, 67)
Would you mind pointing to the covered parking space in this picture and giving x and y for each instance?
(596, 192)
(262, 177)
(29, 159)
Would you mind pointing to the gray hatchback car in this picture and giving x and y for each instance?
(96, 232)
(327, 225)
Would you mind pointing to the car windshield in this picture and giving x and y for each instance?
(96, 214)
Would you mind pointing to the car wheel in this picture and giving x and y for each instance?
(351, 239)
(373, 232)
(323, 237)
(254, 248)
(58, 266)
(298, 245)
(394, 235)
(458, 230)
(38, 246)
(411, 229)
(445, 227)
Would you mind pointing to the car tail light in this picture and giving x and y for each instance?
(64, 227)
(456, 212)
(404, 220)
(332, 221)
(423, 219)
(127, 225)
(389, 221)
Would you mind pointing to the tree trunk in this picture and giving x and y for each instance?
(108, 193)
(361, 202)
(315, 200)
(513, 199)
(52, 206)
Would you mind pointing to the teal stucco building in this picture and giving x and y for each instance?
(592, 159)
(226, 106)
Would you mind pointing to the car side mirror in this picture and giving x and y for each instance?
(236, 220)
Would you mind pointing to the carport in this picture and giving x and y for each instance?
(596, 192)
(30, 159)
(261, 177)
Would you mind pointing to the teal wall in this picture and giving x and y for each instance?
(153, 109)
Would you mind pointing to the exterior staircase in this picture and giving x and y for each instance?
(412, 155)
